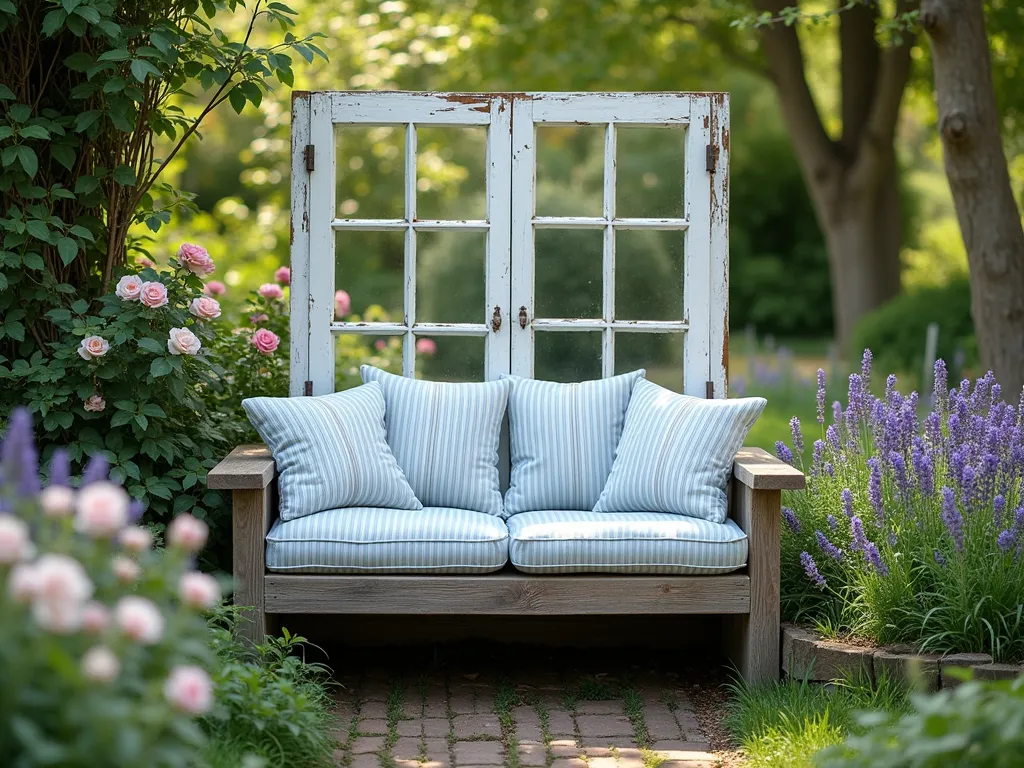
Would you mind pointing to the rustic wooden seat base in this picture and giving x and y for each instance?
(749, 598)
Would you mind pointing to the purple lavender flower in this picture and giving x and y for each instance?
(783, 452)
(19, 462)
(798, 435)
(933, 430)
(811, 569)
(837, 412)
(816, 456)
(998, 505)
(96, 470)
(821, 395)
(873, 556)
(832, 435)
(860, 539)
(875, 490)
(890, 387)
(899, 467)
(997, 394)
(865, 368)
(847, 497)
(968, 486)
(1006, 541)
(135, 510)
(952, 519)
(60, 468)
(940, 386)
(938, 557)
(827, 546)
(923, 466)
(856, 397)
(791, 519)
(829, 469)
(832, 522)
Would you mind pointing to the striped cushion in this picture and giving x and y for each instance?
(367, 539)
(331, 451)
(676, 453)
(445, 437)
(563, 439)
(623, 542)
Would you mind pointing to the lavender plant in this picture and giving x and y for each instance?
(911, 529)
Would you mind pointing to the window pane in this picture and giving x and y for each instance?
(353, 350)
(648, 275)
(451, 180)
(567, 356)
(570, 170)
(370, 268)
(660, 353)
(568, 275)
(649, 172)
(370, 164)
(450, 278)
(450, 358)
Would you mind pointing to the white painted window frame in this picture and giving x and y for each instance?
(510, 225)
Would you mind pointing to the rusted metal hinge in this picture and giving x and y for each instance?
(524, 318)
(711, 157)
(709, 390)
(496, 320)
(308, 389)
(309, 155)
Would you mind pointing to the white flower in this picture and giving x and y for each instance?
(15, 544)
(129, 288)
(139, 619)
(198, 590)
(136, 539)
(95, 617)
(102, 509)
(189, 689)
(126, 569)
(205, 308)
(181, 341)
(61, 589)
(100, 665)
(22, 582)
(93, 347)
(187, 532)
(57, 501)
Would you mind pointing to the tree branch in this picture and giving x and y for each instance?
(859, 67)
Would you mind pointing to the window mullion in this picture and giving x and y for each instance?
(608, 266)
(409, 347)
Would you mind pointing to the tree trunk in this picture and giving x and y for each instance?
(980, 182)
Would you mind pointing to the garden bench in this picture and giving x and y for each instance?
(515, 329)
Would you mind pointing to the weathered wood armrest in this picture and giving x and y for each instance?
(759, 470)
(248, 467)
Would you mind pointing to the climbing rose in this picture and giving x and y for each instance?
(205, 308)
(136, 539)
(14, 539)
(126, 569)
(181, 341)
(93, 347)
(94, 403)
(189, 689)
(129, 288)
(283, 275)
(100, 665)
(142, 261)
(139, 619)
(265, 341)
(342, 303)
(154, 294)
(215, 288)
(102, 509)
(270, 291)
(187, 532)
(22, 582)
(259, 317)
(95, 617)
(59, 593)
(57, 501)
(426, 347)
(380, 345)
(195, 259)
(198, 590)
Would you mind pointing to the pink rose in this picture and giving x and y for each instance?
(215, 288)
(270, 291)
(256, 319)
(187, 532)
(59, 594)
(142, 261)
(101, 510)
(100, 665)
(265, 341)
(181, 341)
(22, 582)
(94, 403)
(380, 345)
(153, 294)
(93, 347)
(198, 590)
(283, 275)
(57, 501)
(139, 619)
(136, 539)
(195, 259)
(14, 539)
(189, 689)
(95, 617)
(426, 347)
(129, 288)
(205, 308)
(126, 569)
(342, 303)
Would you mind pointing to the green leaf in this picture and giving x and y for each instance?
(154, 410)
(20, 113)
(80, 231)
(86, 185)
(152, 345)
(68, 250)
(237, 99)
(86, 119)
(142, 421)
(88, 13)
(141, 68)
(121, 418)
(53, 21)
(120, 54)
(78, 62)
(38, 229)
(34, 261)
(6, 94)
(34, 132)
(159, 367)
(29, 161)
(63, 154)
(124, 175)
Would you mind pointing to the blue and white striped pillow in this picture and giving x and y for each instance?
(331, 451)
(676, 453)
(445, 437)
(563, 439)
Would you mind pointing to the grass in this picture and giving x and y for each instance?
(782, 725)
(506, 698)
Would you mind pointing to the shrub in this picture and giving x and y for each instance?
(910, 530)
(102, 650)
(976, 725)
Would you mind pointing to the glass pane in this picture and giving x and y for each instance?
(450, 278)
(569, 271)
(451, 180)
(369, 269)
(450, 358)
(370, 163)
(660, 353)
(567, 356)
(649, 172)
(353, 350)
(648, 275)
(570, 170)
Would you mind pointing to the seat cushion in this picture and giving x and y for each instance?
(676, 453)
(623, 542)
(379, 540)
(331, 451)
(445, 437)
(562, 440)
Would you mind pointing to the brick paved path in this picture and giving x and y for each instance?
(527, 720)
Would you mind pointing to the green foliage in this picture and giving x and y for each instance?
(975, 725)
(896, 332)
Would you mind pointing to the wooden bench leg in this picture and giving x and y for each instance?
(755, 638)
(250, 520)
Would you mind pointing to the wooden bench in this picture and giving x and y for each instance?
(750, 597)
